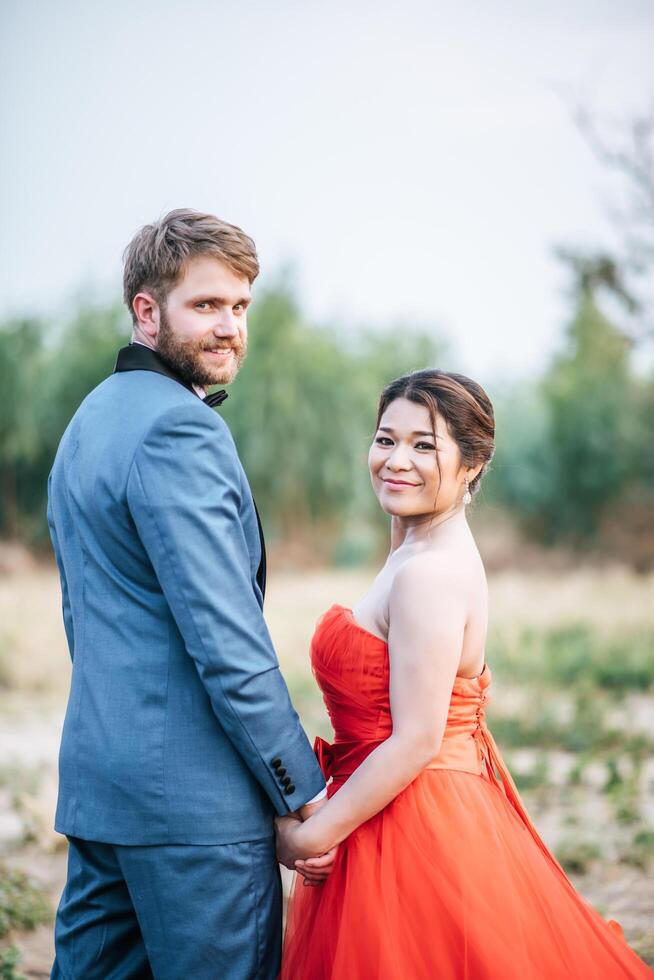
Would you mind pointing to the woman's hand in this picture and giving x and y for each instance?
(316, 871)
(295, 851)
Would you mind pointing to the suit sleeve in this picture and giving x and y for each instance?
(65, 599)
(184, 494)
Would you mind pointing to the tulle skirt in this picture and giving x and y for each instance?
(448, 883)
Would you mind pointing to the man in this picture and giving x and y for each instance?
(180, 743)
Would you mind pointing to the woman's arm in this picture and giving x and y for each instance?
(427, 621)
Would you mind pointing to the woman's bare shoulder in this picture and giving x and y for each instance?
(443, 575)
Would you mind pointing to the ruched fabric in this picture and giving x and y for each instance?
(450, 881)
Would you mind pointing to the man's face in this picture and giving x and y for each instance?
(203, 325)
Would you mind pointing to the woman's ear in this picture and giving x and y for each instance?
(473, 471)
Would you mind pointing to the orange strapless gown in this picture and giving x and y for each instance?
(450, 880)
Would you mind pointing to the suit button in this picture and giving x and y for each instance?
(286, 781)
(290, 789)
(276, 762)
(281, 771)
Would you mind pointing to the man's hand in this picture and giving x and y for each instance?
(294, 854)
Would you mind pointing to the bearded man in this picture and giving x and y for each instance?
(180, 743)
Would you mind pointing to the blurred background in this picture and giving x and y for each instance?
(466, 186)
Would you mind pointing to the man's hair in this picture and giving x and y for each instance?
(156, 257)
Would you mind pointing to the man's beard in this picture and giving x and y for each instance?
(185, 356)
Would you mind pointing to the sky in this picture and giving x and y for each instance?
(415, 162)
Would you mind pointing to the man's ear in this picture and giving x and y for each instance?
(146, 311)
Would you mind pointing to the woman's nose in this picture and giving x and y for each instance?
(399, 459)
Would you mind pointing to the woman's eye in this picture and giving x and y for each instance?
(383, 441)
(424, 445)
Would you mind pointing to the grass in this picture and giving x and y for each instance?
(576, 855)
(535, 777)
(10, 957)
(639, 853)
(573, 654)
(23, 904)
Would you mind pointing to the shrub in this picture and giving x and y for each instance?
(10, 957)
(576, 855)
(23, 905)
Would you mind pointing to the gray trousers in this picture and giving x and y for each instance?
(169, 912)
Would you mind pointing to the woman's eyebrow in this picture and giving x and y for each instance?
(383, 428)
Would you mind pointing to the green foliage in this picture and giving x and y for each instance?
(520, 477)
(576, 855)
(574, 654)
(537, 777)
(572, 449)
(639, 853)
(43, 384)
(537, 728)
(644, 947)
(10, 957)
(590, 400)
(623, 788)
(20, 351)
(84, 356)
(289, 412)
(575, 455)
(23, 905)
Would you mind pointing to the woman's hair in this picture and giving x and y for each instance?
(463, 404)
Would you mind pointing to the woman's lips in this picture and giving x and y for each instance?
(399, 484)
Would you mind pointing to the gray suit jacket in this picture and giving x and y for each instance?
(179, 727)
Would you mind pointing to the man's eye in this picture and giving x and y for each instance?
(238, 308)
(199, 306)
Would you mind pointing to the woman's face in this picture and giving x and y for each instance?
(403, 467)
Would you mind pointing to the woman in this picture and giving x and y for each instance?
(440, 873)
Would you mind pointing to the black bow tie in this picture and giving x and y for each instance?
(216, 399)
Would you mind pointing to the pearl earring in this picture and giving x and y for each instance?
(467, 496)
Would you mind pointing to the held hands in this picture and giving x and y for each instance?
(294, 848)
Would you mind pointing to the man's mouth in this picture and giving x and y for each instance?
(219, 351)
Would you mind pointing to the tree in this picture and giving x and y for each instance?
(626, 149)
(589, 394)
(20, 354)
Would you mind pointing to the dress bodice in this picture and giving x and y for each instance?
(351, 666)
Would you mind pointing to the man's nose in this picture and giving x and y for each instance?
(226, 324)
